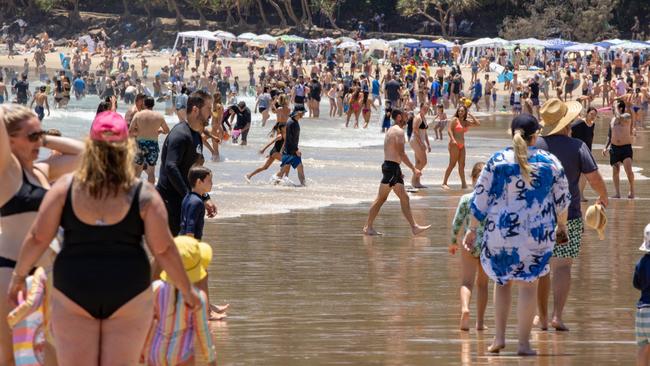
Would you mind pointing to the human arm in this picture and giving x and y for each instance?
(590, 170)
(164, 127)
(176, 150)
(69, 158)
(609, 139)
(192, 213)
(450, 131)
(133, 127)
(270, 143)
(475, 121)
(636, 280)
(39, 237)
(404, 156)
(161, 243)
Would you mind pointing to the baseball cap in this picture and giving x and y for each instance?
(109, 126)
(526, 122)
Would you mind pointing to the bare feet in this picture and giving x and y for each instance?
(464, 321)
(419, 186)
(496, 347)
(526, 351)
(445, 187)
(539, 323)
(219, 309)
(618, 195)
(370, 231)
(630, 196)
(417, 229)
(247, 178)
(481, 327)
(217, 316)
(559, 326)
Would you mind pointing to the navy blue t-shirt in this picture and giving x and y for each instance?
(642, 281)
(192, 215)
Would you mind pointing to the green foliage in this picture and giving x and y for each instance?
(45, 5)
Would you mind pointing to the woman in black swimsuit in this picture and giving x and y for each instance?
(101, 304)
(276, 152)
(24, 184)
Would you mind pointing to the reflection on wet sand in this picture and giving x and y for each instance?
(306, 288)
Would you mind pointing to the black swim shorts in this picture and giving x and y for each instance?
(618, 154)
(392, 173)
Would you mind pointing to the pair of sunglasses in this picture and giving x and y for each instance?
(35, 136)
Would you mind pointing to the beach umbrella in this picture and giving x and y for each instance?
(245, 37)
(322, 40)
(529, 43)
(348, 46)
(447, 43)
(264, 39)
(225, 36)
(290, 38)
(614, 41)
(398, 43)
(374, 44)
(345, 39)
(631, 45)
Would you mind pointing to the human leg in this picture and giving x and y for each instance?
(481, 296)
(6, 341)
(616, 170)
(301, 174)
(382, 195)
(467, 275)
(543, 292)
(502, 302)
(266, 165)
(561, 283)
(76, 334)
(453, 159)
(461, 167)
(525, 314)
(627, 165)
(405, 204)
(643, 355)
(124, 333)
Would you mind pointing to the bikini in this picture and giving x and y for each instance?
(97, 273)
(27, 199)
(459, 128)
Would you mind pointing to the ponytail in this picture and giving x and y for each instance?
(520, 147)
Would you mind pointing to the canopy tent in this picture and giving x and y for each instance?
(424, 44)
(352, 46)
(529, 43)
(399, 43)
(89, 41)
(245, 37)
(374, 44)
(471, 49)
(322, 40)
(345, 39)
(290, 38)
(225, 36)
(264, 39)
(558, 44)
(631, 45)
(614, 41)
(447, 43)
(579, 47)
(200, 38)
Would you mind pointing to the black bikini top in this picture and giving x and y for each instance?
(27, 199)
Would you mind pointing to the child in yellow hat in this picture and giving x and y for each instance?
(176, 329)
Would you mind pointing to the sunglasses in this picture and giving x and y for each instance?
(35, 136)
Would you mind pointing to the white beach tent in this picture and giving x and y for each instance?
(374, 44)
(584, 47)
(345, 39)
(529, 43)
(264, 39)
(199, 38)
(471, 49)
(352, 46)
(225, 36)
(631, 45)
(245, 37)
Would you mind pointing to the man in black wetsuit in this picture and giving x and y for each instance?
(291, 155)
(180, 151)
(22, 90)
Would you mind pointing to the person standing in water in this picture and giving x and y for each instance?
(619, 147)
(41, 103)
(145, 127)
(277, 133)
(291, 154)
(420, 143)
(393, 179)
(459, 125)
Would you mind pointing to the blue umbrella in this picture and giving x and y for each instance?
(425, 44)
(558, 44)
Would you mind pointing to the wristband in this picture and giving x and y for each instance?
(205, 197)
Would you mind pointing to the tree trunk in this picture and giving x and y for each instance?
(332, 21)
(290, 13)
(173, 6)
(239, 14)
(306, 13)
(278, 9)
(147, 9)
(74, 14)
(125, 4)
(265, 22)
(230, 20)
(202, 21)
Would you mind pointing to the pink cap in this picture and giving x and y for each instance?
(110, 127)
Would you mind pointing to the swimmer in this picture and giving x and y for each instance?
(145, 127)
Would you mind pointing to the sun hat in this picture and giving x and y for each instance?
(596, 219)
(645, 246)
(195, 257)
(557, 114)
(525, 122)
(109, 126)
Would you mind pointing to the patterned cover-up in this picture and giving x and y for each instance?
(520, 217)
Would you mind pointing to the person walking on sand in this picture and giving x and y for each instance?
(577, 160)
(393, 179)
(523, 195)
(459, 125)
(469, 260)
(619, 147)
(420, 143)
(145, 127)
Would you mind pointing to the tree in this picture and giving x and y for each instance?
(328, 9)
(172, 5)
(306, 13)
(436, 11)
(125, 5)
(278, 9)
(265, 22)
(74, 14)
(290, 13)
(557, 18)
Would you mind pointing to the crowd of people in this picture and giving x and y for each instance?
(522, 222)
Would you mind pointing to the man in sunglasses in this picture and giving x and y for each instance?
(41, 102)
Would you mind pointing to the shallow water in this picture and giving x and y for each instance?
(306, 288)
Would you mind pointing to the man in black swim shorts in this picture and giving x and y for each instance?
(393, 179)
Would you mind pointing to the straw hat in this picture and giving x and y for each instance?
(557, 114)
(195, 256)
(596, 219)
(645, 246)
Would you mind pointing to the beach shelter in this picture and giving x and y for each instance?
(424, 45)
(399, 43)
(631, 46)
(225, 36)
(245, 37)
(264, 39)
(447, 43)
(199, 38)
(558, 44)
(351, 46)
(345, 39)
(614, 41)
(290, 38)
(529, 43)
(584, 47)
(473, 48)
(374, 44)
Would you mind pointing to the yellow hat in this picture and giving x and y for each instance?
(556, 115)
(195, 257)
(596, 219)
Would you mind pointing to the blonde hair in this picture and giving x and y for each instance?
(14, 115)
(106, 168)
(520, 147)
(476, 170)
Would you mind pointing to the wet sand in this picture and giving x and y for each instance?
(307, 288)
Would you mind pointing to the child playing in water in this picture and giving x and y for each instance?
(177, 329)
(441, 121)
(642, 282)
(470, 260)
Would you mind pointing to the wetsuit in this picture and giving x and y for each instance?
(277, 147)
(101, 268)
(180, 151)
(292, 137)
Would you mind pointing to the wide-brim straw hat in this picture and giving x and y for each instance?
(195, 256)
(556, 115)
(596, 219)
